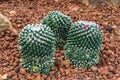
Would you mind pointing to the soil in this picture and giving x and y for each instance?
(23, 12)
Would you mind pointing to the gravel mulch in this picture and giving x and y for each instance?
(23, 12)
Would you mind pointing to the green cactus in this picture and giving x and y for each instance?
(60, 24)
(37, 45)
(83, 44)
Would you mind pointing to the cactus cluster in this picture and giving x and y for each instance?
(84, 43)
(60, 24)
(37, 46)
(81, 42)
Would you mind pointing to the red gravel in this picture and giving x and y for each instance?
(23, 12)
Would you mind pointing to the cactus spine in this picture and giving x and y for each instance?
(84, 43)
(60, 24)
(37, 45)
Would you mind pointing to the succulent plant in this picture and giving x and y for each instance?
(37, 45)
(83, 44)
(60, 24)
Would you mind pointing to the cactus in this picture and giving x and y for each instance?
(83, 44)
(60, 24)
(37, 45)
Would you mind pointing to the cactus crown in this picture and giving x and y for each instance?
(84, 43)
(60, 24)
(37, 45)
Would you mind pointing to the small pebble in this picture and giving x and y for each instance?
(94, 68)
(67, 71)
(22, 71)
(118, 78)
(3, 76)
(109, 29)
(11, 74)
(38, 77)
(103, 70)
(65, 63)
(17, 69)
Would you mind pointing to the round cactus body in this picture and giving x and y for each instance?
(37, 45)
(60, 24)
(84, 43)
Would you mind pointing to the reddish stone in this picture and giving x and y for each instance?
(22, 71)
(103, 70)
(94, 68)
(65, 63)
(11, 74)
(5, 64)
(73, 71)
(38, 77)
(67, 71)
(74, 8)
(61, 70)
(118, 78)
